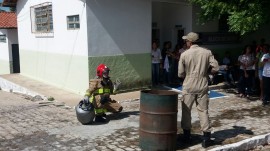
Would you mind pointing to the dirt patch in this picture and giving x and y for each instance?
(236, 133)
(257, 111)
(238, 138)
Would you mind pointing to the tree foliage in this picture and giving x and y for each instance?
(243, 15)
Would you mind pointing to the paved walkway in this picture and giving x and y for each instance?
(233, 119)
(69, 98)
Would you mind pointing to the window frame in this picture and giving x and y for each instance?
(42, 18)
(76, 22)
(3, 38)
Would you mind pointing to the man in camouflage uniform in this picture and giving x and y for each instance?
(194, 65)
(99, 92)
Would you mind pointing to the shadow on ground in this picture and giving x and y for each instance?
(228, 136)
(253, 97)
(122, 115)
(115, 116)
(222, 137)
(195, 140)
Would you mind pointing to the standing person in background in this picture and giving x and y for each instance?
(167, 62)
(194, 65)
(260, 46)
(266, 77)
(254, 45)
(176, 56)
(226, 69)
(183, 49)
(259, 66)
(175, 60)
(246, 61)
(156, 59)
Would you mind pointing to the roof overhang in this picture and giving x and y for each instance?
(8, 28)
(9, 3)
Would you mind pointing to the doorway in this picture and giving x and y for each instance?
(156, 36)
(15, 58)
(180, 34)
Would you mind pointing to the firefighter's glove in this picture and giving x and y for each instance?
(86, 100)
(104, 99)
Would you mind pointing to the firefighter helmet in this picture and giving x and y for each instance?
(103, 71)
(85, 112)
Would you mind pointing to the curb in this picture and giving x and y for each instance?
(246, 144)
(11, 87)
(8, 86)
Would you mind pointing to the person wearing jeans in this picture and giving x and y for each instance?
(156, 58)
(266, 78)
(246, 61)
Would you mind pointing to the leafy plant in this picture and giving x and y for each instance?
(243, 15)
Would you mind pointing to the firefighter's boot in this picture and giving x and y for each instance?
(207, 140)
(100, 119)
(187, 136)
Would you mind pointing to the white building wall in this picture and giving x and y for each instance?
(6, 50)
(4, 47)
(119, 35)
(62, 40)
(13, 39)
(119, 27)
(59, 58)
(13, 36)
(168, 14)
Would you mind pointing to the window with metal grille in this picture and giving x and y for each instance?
(42, 18)
(3, 38)
(73, 22)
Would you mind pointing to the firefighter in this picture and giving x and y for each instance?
(194, 64)
(99, 93)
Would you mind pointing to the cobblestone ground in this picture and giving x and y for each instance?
(27, 125)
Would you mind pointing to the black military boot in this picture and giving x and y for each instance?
(207, 140)
(187, 136)
(104, 115)
(100, 118)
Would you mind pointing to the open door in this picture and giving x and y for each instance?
(16, 58)
(180, 34)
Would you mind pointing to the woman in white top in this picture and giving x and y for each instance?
(266, 77)
(167, 55)
(246, 61)
(156, 58)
